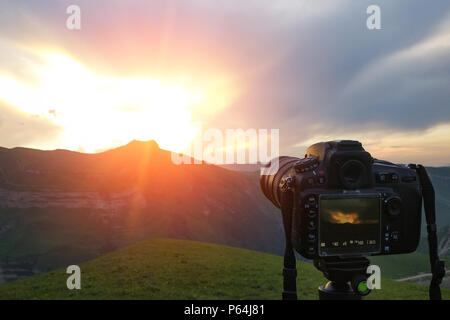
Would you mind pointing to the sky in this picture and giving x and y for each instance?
(156, 69)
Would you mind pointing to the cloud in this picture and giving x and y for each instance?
(21, 129)
(311, 69)
(407, 89)
(313, 61)
(427, 146)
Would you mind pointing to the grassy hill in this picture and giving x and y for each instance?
(177, 269)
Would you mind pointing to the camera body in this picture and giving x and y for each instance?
(346, 203)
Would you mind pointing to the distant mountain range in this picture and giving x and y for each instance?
(61, 207)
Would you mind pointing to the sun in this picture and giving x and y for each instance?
(97, 112)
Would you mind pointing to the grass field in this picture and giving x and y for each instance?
(178, 269)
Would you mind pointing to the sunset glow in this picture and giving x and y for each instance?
(97, 112)
(170, 70)
(341, 217)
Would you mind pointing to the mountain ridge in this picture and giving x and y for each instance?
(52, 202)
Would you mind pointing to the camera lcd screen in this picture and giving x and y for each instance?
(349, 225)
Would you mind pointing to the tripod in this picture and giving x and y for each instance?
(347, 278)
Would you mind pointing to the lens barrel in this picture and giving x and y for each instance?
(271, 175)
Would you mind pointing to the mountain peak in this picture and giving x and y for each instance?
(136, 147)
(142, 144)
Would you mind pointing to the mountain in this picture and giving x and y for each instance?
(176, 269)
(61, 207)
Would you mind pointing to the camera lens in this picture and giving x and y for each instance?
(271, 176)
(352, 174)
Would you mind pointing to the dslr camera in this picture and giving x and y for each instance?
(346, 203)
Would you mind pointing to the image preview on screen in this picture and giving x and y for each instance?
(349, 225)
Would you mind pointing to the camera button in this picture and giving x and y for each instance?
(393, 206)
(394, 178)
(321, 179)
(310, 181)
(408, 179)
(312, 214)
(311, 199)
(395, 236)
(311, 237)
(381, 177)
(305, 164)
(312, 225)
(311, 250)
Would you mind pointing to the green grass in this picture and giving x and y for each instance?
(177, 269)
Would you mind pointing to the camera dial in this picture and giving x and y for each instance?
(306, 164)
(393, 206)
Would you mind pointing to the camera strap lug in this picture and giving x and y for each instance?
(437, 266)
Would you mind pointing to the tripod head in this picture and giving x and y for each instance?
(348, 278)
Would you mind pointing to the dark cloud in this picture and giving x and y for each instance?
(307, 94)
(329, 52)
(315, 60)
